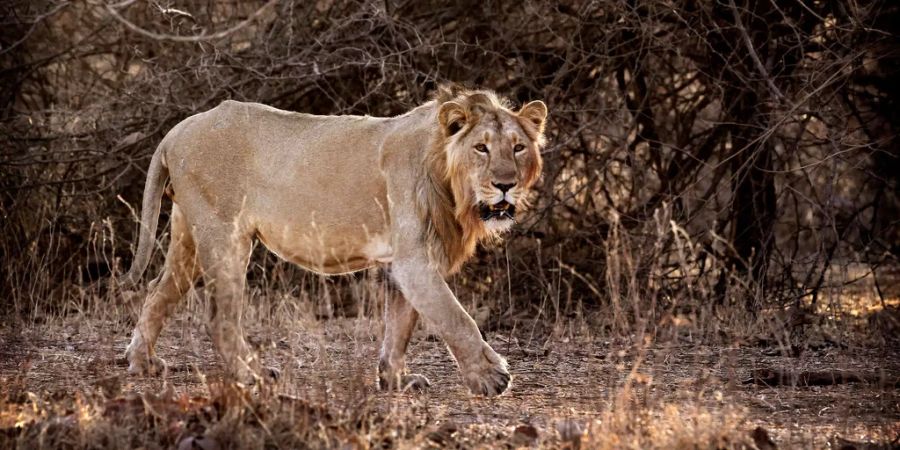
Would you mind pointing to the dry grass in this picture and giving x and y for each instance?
(64, 387)
(640, 369)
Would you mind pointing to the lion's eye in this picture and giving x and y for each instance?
(518, 148)
(481, 148)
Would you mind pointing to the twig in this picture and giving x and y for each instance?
(34, 24)
(785, 377)
(749, 44)
(169, 37)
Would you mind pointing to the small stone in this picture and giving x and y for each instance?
(524, 435)
(198, 443)
(569, 430)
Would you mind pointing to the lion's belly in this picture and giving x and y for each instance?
(328, 233)
(327, 251)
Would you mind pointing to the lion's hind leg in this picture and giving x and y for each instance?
(224, 253)
(399, 322)
(178, 275)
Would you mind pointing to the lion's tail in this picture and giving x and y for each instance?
(157, 175)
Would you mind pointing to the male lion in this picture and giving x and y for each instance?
(337, 194)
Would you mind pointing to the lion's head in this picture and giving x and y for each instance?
(485, 158)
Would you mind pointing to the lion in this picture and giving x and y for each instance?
(414, 194)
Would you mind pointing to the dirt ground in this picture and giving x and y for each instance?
(560, 378)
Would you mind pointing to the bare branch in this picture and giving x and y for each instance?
(113, 11)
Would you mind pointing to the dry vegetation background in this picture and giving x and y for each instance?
(719, 175)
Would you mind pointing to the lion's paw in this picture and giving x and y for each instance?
(145, 365)
(140, 361)
(488, 374)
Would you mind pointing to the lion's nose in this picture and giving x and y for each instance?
(504, 186)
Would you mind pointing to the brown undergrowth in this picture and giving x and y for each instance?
(64, 386)
(649, 367)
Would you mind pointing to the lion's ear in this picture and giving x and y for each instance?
(536, 113)
(452, 117)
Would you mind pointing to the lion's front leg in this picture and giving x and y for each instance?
(482, 369)
(399, 322)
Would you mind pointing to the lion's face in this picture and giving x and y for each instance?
(493, 155)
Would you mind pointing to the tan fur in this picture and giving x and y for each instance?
(336, 194)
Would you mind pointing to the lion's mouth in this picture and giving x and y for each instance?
(499, 210)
